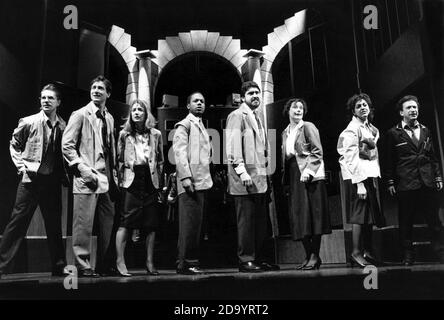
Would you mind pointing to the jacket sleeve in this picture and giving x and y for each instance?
(70, 139)
(314, 159)
(234, 145)
(434, 159)
(348, 148)
(180, 148)
(18, 143)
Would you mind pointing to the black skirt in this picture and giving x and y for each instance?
(140, 206)
(363, 211)
(307, 205)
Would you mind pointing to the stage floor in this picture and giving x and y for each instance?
(421, 281)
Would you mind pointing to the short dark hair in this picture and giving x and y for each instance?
(351, 102)
(54, 88)
(247, 85)
(195, 92)
(405, 99)
(107, 83)
(290, 102)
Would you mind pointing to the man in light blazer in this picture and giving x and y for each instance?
(192, 153)
(89, 148)
(247, 153)
(35, 151)
(413, 176)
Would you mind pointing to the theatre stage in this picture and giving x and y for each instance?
(421, 281)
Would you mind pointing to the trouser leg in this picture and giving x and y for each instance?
(15, 231)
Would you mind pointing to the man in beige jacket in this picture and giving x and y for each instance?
(248, 156)
(88, 146)
(192, 152)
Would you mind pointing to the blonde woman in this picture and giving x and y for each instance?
(140, 156)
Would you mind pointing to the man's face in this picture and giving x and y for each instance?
(197, 104)
(362, 109)
(253, 98)
(410, 111)
(98, 93)
(49, 101)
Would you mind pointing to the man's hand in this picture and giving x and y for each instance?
(188, 185)
(439, 186)
(305, 176)
(362, 192)
(246, 179)
(89, 175)
(392, 190)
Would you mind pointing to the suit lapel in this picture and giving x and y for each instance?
(405, 137)
(422, 136)
(92, 118)
(251, 120)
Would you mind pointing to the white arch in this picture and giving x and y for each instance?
(293, 27)
(121, 41)
(199, 40)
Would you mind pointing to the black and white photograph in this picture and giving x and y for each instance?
(221, 155)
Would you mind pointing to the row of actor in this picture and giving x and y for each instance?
(129, 171)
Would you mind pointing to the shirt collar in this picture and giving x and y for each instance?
(95, 109)
(359, 121)
(403, 125)
(194, 118)
(48, 121)
(299, 125)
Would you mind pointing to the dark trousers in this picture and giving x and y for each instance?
(191, 211)
(413, 203)
(251, 213)
(45, 192)
(87, 208)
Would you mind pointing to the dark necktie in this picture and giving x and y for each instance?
(104, 132)
(51, 145)
(259, 125)
(412, 130)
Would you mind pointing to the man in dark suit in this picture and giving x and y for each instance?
(36, 152)
(413, 175)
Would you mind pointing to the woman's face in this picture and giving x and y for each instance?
(362, 109)
(296, 111)
(137, 113)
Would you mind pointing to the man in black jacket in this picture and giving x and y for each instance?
(413, 175)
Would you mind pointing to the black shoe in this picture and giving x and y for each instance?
(358, 260)
(302, 265)
(152, 271)
(87, 273)
(60, 272)
(109, 272)
(409, 258)
(190, 271)
(269, 267)
(313, 265)
(367, 256)
(250, 267)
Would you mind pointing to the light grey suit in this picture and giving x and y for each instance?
(82, 145)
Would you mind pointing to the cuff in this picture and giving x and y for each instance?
(240, 168)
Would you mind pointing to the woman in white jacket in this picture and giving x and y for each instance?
(360, 171)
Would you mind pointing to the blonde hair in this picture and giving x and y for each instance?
(150, 121)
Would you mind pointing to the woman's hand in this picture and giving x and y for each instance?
(362, 192)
